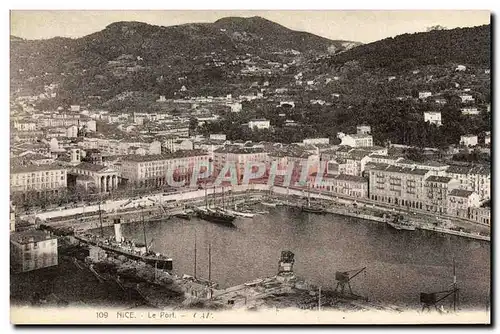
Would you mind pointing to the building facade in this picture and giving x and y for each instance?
(32, 250)
(42, 179)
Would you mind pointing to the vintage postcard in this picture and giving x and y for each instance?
(237, 167)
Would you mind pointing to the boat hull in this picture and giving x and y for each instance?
(161, 263)
(401, 227)
(215, 217)
(313, 210)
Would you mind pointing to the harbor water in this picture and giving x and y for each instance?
(400, 264)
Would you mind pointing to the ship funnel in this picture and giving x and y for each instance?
(118, 229)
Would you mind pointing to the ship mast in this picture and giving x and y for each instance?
(100, 218)
(144, 231)
(210, 268)
(194, 254)
(454, 286)
(223, 207)
(206, 198)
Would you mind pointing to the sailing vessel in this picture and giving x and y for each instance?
(399, 223)
(214, 215)
(312, 209)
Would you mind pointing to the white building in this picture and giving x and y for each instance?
(487, 138)
(217, 136)
(466, 98)
(460, 68)
(424, 95)
(469, 111)
(33, 249)
(468, 140)
(75, 108)
(363, 129)
(72, 131)
(259, 124)
(236, 107)
(433, 117)
(355, 140)
(313, 141)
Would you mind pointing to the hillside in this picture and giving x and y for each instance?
(159, 45)
(462, 45)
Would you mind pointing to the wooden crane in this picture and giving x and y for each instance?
(344, 278)
(432, 299)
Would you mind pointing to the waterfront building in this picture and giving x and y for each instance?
(12, 217)
(459, 202)
(436, 190)
(342, 184)
(397, 185)
(240, 156)
(32, 250)
(473, 178)
(40, 180)
(480, 215)
(152, 170)
(104, 178)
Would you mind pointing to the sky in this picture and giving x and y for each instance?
(355, 25)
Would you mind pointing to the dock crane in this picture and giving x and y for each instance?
(344, 278)
(431, 299)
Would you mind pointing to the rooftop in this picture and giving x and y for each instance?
(239, 149)
(461, 193)
(90, 167)
(26, 237)
(440, 179)
(159, 157)
(34, 168)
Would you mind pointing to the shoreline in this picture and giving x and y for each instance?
(196, 197)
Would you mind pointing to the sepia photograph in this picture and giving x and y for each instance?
(250, 167)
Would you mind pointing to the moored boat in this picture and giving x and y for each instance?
(399, 223)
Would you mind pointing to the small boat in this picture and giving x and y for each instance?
(399, 223)
(269, 204)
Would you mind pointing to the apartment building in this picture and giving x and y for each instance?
(436, 189)
(240, 156)
(459, 202)
(398, 185)
(342, 184)
(152, 170)
(473, 178)
(40, 179)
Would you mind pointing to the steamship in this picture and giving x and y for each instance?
(128, 248)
